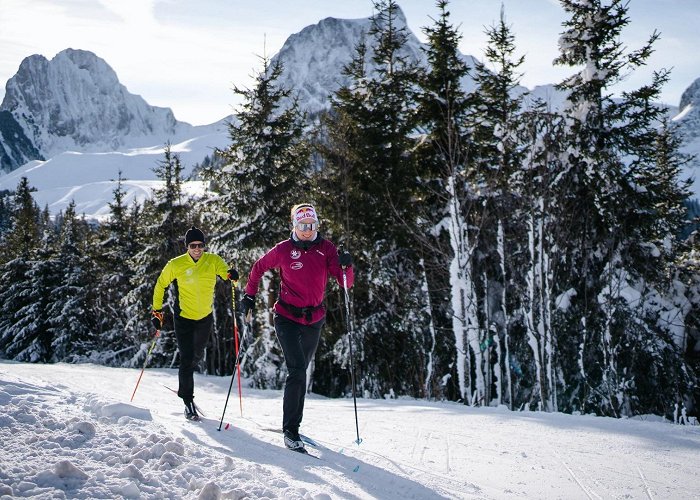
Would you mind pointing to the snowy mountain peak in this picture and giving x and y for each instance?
(313, 58)
(688, 118)
(691, 95)
(75, 102)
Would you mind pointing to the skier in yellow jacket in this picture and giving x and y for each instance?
(194, 274)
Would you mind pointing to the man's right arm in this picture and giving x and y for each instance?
(166, 277)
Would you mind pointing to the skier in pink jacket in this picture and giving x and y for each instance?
(304, 261)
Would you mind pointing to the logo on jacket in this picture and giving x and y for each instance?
(295, 254)
(296, 265)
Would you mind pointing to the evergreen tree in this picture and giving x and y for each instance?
(161, 227)
(27, 285)
(688, 274)
(70, 306)
(267, 166)
(24, 281)
(115, 243)
(25, 227)
(496, 162)
(337, 141)
(612, 172)
(401, 324)
(443, 153)
(535, 259)
(376, 111)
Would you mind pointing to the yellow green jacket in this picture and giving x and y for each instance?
(195, 283)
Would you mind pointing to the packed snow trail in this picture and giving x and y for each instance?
(69, 431)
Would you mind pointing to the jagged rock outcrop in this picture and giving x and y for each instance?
(75, 102)
(313, 59)
(688, 118)
(15, 147)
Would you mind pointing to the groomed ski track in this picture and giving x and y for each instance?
(409, 449)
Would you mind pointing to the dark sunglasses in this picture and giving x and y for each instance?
(196, 245)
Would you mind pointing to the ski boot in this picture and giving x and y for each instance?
(293, 441)
(191, 411)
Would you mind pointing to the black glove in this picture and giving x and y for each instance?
(233, 275)
(345, 259)
(248, 304)
(157, 319)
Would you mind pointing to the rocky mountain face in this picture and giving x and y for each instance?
(75, 102)
(688, 119)
(313, 59)
(691, 95)
(15, 147)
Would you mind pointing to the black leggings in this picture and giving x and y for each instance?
(299, 344)
(192, 336)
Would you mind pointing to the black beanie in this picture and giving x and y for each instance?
(193, 234)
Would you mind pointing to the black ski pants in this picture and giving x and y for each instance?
(299, 344)
(192, 336)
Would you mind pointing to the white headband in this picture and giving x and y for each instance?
(305, 212)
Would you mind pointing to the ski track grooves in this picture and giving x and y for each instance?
(589, 492)
(415, 443)
(448, 467)
(426, 441)
(647, 490)
(448, 484)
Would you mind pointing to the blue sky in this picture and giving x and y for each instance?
(187, 54)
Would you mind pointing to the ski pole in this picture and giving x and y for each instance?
(237, 365)
(145, 361)
(352, 369)
(235, 334)
(228, 395)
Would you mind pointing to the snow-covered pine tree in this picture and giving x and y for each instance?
(688, 275)
(663, 310)
(25, 220)
(377, 111)
(683, 279)
(265, 166)
(336, 140)
(266, 170)
(159, 233)
(534, 257)
(444, 200)
(610, 145)
(496, 162)
(70, 307)
(114, 245)
(25, 281)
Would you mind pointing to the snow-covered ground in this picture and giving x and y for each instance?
(89, 179)
(70, 431)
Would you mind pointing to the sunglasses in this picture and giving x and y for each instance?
(310, 226)
(196, 245)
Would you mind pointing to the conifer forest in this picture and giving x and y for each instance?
(505, 253)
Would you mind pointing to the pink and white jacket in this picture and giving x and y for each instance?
(304, 268)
